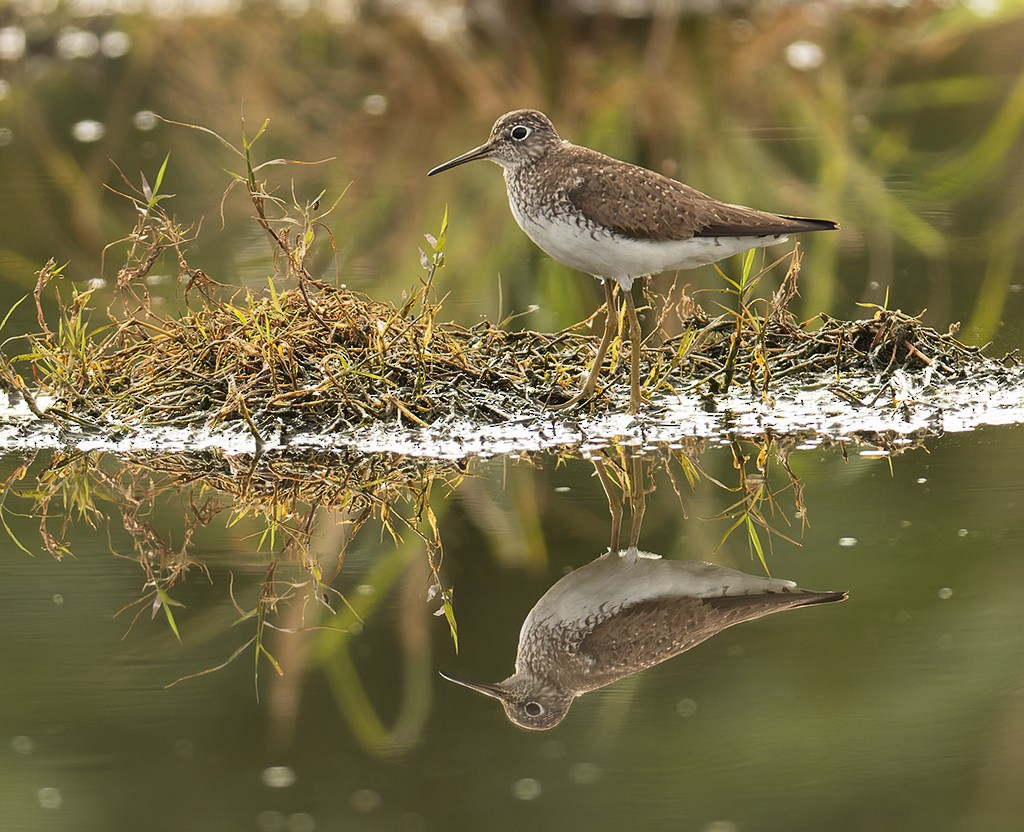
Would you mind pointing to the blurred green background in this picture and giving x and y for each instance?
(903, 122)
(901, 709)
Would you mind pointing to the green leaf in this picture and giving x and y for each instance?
(449, 614)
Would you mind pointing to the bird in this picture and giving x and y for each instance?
(622, 613)
(616, 221)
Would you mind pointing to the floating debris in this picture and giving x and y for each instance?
(333, 362)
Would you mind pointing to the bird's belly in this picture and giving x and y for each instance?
(603, 254)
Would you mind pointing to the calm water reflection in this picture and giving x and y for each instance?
(897, 698)
(622, 613)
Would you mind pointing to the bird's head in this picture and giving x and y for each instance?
(528, 703)
(517, 138)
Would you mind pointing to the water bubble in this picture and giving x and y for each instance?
(278, 777)
(847, 542)
(77, 43)
(115, 43)
(686, 707)
(365, 800)
(22, 744)
(270, 821)
(945, 593)
(6, 136)
(527, 789)
(375, 105)
(921, 480)
(984, 8)
(49, 798)
(563, 489)
(145, 120)
(58, 599)
(962, 532)
(12, 43)
(300, 822)
(804, 55)
(88, 130)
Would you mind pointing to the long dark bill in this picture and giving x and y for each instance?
(481, 152)
(494, 691)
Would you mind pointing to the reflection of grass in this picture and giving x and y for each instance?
(627, 476)
(281, 496)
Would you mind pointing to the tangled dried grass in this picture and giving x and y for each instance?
(335, 360)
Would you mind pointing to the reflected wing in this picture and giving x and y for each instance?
(650, 632)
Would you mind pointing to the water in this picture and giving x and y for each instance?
(897, 696)
(900, 708)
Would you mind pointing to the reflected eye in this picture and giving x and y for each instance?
(518, 133)
(533, 709)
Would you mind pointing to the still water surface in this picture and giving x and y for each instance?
(903, 702)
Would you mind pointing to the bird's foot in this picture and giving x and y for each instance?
(633, 555)
(630, 555)
(637, 401)
(585, 395)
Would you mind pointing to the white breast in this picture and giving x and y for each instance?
(602, 254)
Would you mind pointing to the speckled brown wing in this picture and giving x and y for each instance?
(650, 632)
(642, 204)
(646, 634)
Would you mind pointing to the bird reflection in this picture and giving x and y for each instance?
(622, 613)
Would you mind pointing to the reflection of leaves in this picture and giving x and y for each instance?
(447, 609)
(756, 494)
(164, 601)
(284, 493)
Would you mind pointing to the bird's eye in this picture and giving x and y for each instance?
(518, 133)
(533, 709)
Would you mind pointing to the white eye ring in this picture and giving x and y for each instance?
(533, 709)
(519, 132)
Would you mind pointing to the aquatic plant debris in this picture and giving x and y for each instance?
(335, 370)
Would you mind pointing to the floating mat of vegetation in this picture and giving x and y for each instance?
(319, 360)
(330, 360)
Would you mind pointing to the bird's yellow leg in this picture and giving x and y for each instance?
(637, 499)
(610, 327)
(635, 340)
(614, 502)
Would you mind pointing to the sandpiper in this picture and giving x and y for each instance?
(622, 613)
(616, 221)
